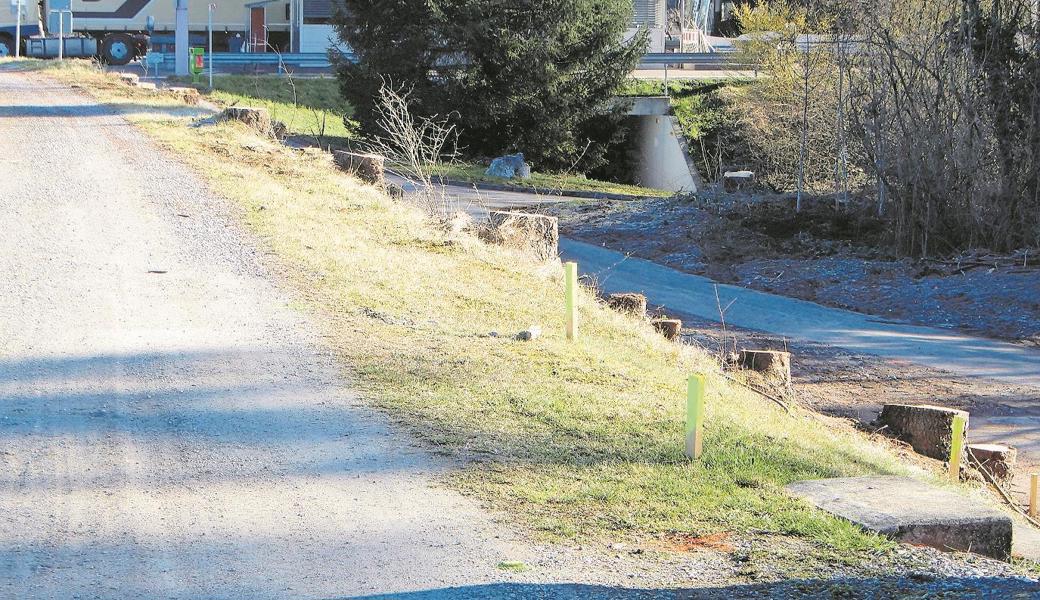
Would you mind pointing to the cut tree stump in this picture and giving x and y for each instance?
(997, 459)
(629, 303)
(928, 429)
(129, 78)
(671, 329)
(257, 118)
(370, 168)
(188, 95)
(531, 234)
(774, 364)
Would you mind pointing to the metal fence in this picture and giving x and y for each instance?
(712, 61)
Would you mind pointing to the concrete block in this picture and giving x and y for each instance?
(669, 328)
(928, 429)
(530, 233)
(633, 304)
(774, 364)
(912, 511)
(370, 168)
(735, 181)
(997, 459)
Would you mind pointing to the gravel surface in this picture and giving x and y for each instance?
(168, 426)
(171, 428)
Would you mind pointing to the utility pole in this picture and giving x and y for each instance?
(180, 45)
(18, 28)
(210, 49)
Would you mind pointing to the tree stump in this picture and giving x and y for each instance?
(129, 78)
(629, 303)
(997, 459)
(370, 168)
(928, 429)
(774, 364)
(257, 118)
(188, 95)
(530, 233)
(671, 329)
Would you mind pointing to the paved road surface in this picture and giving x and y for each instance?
(806, 321)
(167, 427)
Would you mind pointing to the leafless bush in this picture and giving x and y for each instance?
(414, 147)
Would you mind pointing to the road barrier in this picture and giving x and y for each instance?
(709, 61)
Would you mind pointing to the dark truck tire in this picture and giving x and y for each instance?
(118, 49)
(6, 45)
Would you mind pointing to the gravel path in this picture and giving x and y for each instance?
(167, 428)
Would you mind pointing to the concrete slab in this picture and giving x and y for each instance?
(912, 511)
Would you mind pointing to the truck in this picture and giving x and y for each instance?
(119, 31)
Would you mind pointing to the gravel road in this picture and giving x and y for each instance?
(167, 427)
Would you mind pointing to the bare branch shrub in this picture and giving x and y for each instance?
(414, 146)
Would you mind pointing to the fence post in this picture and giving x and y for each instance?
(570, 270)
(1032, 495)
(694, 416)
(957, 446)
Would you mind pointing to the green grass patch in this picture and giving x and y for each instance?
(310, 106)
(578, 439)
(547, 182)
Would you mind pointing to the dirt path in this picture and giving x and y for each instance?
(167, 427)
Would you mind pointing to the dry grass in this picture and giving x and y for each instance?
(576, 439)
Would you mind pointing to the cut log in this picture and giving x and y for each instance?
(188, 95)
(629, 303)
(370, 168)
(671, 329)
(257, 118)
(997, 459)
(531, 234)
(928, 429)
(774, 364)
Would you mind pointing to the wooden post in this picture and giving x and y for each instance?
(1032, 495)
(957, 446)
(694, 416)
(570, 270)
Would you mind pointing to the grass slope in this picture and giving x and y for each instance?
(579, 439)
(548, 182)
(308, 106)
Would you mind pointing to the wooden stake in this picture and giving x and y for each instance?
(1032, 495)
(570, 270)
(694, 416)
(957, 446)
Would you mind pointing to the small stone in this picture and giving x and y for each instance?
(531, 333)
(735, 181)
(509, 166)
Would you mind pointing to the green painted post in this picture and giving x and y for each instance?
(957, 446)
(570, 270)
(694, 416)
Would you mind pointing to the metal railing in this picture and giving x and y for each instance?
(320, 60)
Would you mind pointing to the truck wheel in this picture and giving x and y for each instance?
(118, 49)
(6, 45)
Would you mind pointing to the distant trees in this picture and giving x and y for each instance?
(536, 76)
(932, 107)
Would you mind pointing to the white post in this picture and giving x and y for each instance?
(210, 50)
(61, 36)
(180, 43)
(18, 29)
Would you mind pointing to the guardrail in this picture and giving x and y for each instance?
(320, 60)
